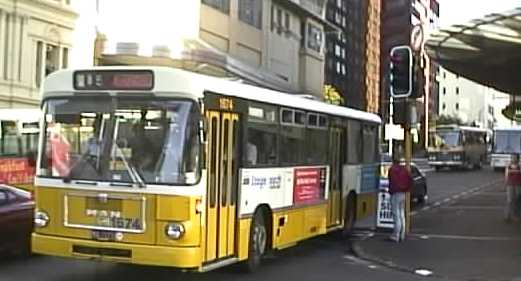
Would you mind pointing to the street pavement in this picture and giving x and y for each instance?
(459, 235)
(324, 258)
(332, 257)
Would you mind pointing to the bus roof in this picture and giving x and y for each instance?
(22, 114)
(462, 128)
(516, 128)
(172, 81)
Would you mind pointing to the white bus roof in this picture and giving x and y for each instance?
(21, 114)
(518, 128)
(181, 82)
(464, 128)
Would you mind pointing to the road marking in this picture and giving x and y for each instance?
(463, 195)
(463, 237)
(473, 207)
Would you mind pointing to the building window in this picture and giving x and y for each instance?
(221, 5)
(314, 37)
(457, 106)
(443, 106)
(39, 60)
(287, 21)
(444, 90)
(250, 12)
(65, 57)
(51, 59)
(457, 90)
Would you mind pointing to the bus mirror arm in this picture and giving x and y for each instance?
(202, 131)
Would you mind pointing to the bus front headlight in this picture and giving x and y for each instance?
(41, 218)
(174, 230)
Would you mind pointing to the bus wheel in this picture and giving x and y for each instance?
(350, 217)
(258, 241)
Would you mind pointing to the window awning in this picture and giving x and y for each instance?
(487, 50)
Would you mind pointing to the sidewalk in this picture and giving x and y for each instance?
(463, 240)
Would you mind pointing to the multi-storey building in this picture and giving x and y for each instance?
(277, 44)
(398, 19)
(372, 54)
(35, 40)
(336, 48)
(471, 102)
(356, 56)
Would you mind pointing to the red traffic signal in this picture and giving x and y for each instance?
(401, 72)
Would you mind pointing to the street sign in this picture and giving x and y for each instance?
(384, 214)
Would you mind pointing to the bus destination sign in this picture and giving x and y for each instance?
(135, 80)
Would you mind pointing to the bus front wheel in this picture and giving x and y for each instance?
(258, 241)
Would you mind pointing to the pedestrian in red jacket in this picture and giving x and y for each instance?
(400, 182)
(512, 186)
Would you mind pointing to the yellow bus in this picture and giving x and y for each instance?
(19, 130)
(159, 166)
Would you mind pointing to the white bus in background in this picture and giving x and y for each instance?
(507, 141)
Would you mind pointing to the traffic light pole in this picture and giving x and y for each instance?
(408, 158)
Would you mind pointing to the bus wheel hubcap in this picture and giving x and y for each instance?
(259, 238)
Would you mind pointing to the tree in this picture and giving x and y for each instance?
(449, 120)
(332, 96)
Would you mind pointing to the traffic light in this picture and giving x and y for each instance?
(401, 71)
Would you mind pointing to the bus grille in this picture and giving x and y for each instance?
(111, 252)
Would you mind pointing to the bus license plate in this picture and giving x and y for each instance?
(103, 235)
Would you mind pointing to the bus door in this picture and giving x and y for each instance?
(335, 186)
(221, 217)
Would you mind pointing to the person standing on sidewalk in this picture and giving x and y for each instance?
(400, 182)
(512, 185)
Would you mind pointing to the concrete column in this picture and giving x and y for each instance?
(2, 49)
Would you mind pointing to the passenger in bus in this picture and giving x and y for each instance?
(512, 185)
(143, 149)
(251, 155)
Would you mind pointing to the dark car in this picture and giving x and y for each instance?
(419, 189)
(16, 220)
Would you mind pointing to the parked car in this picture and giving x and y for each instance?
(419, 189)
(16, 220)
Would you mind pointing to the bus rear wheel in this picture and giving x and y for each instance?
(258, 242)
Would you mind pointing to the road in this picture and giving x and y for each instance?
(323, 258)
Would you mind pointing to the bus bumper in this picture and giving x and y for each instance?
(446, 163)
(180, 257)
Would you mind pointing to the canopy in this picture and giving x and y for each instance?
(487, 50)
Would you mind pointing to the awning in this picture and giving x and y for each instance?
(487, 50)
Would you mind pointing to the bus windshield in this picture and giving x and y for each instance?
(507, 142)
(446, 139)
(131, 140)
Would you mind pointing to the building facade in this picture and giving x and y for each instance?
(278, 44)
(472, 103)
(372, 56)
(336, 48)
(35, 40)
(398, 19)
